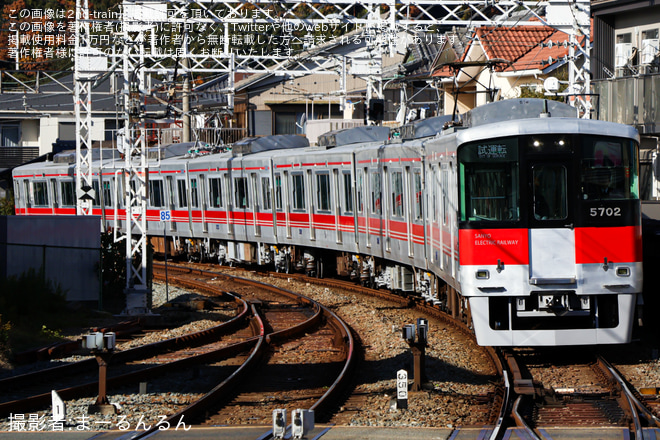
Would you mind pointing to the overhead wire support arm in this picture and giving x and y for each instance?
(143, 49)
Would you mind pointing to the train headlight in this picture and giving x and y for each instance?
(483, 274)
(623, 271)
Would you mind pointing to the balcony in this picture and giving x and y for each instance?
(632, 100)
(14, 156)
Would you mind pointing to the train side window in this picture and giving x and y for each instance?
(376, 193)
(215, 187)
(360, 191)
(68, 198)
(298, 191)
(241, 197)
(156, 198)
(397, 193)
(40, 193)
(265, 193)
(183, 195)
(97, 193)
(278, 191)
(323, 192)
(348, 192)
(445, 194)
(194, 199)
(107, 194)
(417, 177)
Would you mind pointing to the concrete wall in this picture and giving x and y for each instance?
(67, 247)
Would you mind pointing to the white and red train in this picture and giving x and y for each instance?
(523, 220)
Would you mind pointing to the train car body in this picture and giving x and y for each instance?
(523, 221)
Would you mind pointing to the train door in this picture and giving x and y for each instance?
(170, 198)
(551, 220)
(312, 207)
(337, 204)
(203, 197)
(229, 204)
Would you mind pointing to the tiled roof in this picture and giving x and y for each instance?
(511, 43)
(520, 46)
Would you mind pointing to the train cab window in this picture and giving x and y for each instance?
(215, 187)
(376, 193)
(278, 191)
(489, 182)
(194, 197)
(608, 169)
(348, 192)
(68, 197)
(156, 198)
(265, 193)
(397, 194)
(550, 192)
(40, 194)
(323, 192)
(183, 195)
(298, 191)
(241, 197)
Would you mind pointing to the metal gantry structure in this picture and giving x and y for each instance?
(146, 48)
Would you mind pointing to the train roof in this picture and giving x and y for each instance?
(355, 135)
(516, 109)
(547, 125)
(424, 128)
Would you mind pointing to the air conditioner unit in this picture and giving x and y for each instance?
(649, 50)
(622, 53)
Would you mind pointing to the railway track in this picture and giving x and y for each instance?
(276, 319)
(584, 391)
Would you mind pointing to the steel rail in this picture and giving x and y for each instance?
(189, 340)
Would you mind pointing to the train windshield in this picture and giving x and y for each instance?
(489, 181)
(608, 169)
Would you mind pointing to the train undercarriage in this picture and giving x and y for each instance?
(366, 270)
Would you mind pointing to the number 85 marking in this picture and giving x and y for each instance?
(605, 212)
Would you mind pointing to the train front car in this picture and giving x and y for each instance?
(549, 226)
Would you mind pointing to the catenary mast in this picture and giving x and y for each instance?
(139, 52)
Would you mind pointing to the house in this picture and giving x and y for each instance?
(492, 63)
(626, 64)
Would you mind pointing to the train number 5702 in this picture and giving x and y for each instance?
(605, 212)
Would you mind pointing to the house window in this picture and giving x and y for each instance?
(10, 135)
(623, 50)
(649, 45)
(290, 123)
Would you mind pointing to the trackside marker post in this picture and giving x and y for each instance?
(402, 389)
